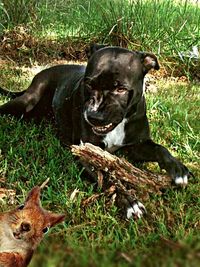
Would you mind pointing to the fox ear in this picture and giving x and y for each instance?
(149, 61)
(55, 218)
(34, 196)
(93, 48)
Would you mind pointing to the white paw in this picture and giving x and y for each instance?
(137, 210)
(181, 180)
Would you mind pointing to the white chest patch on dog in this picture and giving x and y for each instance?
(115, 138)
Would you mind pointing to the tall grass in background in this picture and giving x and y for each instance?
(166, 27)
(14, 12)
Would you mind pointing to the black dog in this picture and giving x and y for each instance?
(102, 103)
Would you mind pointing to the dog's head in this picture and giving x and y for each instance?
(113, 83)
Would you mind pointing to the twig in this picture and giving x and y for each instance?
(44, 183)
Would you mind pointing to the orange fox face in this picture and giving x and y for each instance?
(28, 223)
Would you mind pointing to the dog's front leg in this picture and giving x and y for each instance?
(150, 151)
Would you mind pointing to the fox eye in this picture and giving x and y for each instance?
(21, 207)
(45, 230)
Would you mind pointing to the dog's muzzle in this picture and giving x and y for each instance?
(96, 122)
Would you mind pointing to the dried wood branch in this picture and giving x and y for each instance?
(119, 171)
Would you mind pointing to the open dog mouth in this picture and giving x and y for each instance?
(103, 129)
(100, 130)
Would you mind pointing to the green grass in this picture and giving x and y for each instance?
(96, 236)
(166, 27)
(161, 26)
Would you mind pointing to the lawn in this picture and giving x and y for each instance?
(96, 236)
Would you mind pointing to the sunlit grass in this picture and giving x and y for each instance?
(165, 27)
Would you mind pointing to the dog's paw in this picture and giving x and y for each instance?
(136, 210)
(181, 181)
(176, 169)
(181, 174)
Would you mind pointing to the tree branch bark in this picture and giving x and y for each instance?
(119, 171)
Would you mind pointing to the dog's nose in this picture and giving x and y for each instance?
(95, 118)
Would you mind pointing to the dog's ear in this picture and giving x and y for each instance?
(149, 61)
(93, 48)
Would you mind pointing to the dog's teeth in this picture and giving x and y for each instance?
(103, 128)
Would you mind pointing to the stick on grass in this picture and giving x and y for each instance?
(118, 170)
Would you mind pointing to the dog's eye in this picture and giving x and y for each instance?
(120, 91)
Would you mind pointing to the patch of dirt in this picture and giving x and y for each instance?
(7, 195)
(152, 81)
(18, 47)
